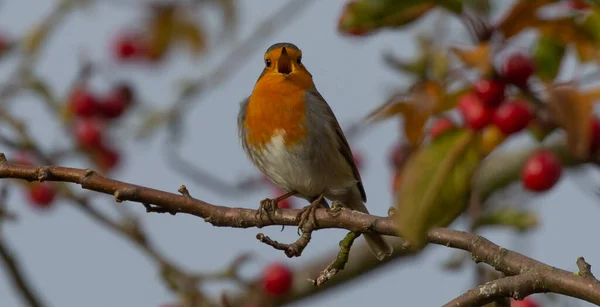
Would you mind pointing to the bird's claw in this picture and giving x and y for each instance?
(267, 207)
(308, 215)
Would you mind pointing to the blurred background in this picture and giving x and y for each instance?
(181, 129)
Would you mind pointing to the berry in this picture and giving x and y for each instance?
(82, 103)
(527, 302)
(107, 159)
(490, 139)
(399, 154)
(490, 92)
(440, 126)
(88, 134)
(128, 46)
(23, 158)
(357, 159)
(277, 279)
(41, 194)
(116, 102)
(541, 171)
(595, 135)
(517, 69)
(512, 117)
(475, 114)
(285, 203)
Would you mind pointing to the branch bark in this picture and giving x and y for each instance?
(547, 278)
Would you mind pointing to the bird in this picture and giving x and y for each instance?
(290, 133)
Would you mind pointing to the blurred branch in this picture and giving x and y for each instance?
(548, 278)
(21, 284)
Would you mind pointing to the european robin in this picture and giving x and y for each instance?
(290, 133)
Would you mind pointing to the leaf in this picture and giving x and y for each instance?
(161, 29)
(435, 185)
(548, 56)
(572, 111)
(567, 31)
(478, 57)
(364, 16)
(521, 16)
(192, 34)
(416, 106)
(590, 27)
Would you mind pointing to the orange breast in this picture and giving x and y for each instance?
(276, 104)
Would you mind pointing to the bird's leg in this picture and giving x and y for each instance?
(269, 205)
(308, 213)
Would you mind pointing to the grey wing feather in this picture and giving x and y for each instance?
(344, 146)
(240, 122)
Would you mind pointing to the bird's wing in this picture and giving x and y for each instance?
(240, 122)
(341, 139)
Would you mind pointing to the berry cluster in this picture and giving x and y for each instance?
(92, 115)
(487, 102)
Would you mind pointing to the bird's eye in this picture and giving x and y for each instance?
(299, 60)
(267, 62)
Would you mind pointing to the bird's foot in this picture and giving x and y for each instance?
(268, 206)
(308, 214)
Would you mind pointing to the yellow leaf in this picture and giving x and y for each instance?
(416, 107)
(521, 16)
(477, 57)
(192, 34)
(572, 111)
(161, 31)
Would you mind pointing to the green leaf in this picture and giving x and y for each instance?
(363, 16)
(436, 185)
(548, 55)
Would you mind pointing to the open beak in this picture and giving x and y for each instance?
(284, 64)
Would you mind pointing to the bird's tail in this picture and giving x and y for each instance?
(378, 245)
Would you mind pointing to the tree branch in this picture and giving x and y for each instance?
(547, 278)
(20, 283)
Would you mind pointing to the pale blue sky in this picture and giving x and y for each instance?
(74, 262)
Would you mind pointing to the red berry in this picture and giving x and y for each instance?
(23, 158)
(595, 135)
(399, 154)
(82, 103)
(440, 126)
(116, 102)
(41, 194)
(517, 69)
(541, 171)
(490, 92)
(475, 114)
(512, 117)
(527, 302)
(277, 279)
(357, 159)
(88, 134)
(128, 46)
(285, 203)
(107, 159)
